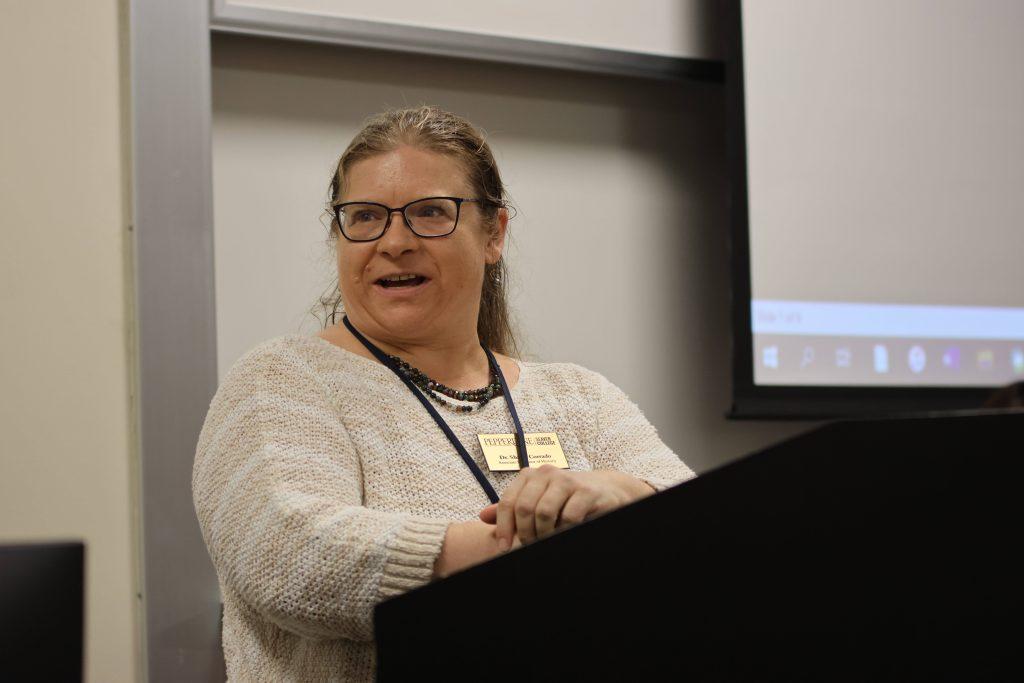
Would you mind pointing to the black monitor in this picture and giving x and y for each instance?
(41, 611)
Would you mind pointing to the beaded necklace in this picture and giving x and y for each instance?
(435, 390)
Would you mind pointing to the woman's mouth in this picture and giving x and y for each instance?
(401, 280)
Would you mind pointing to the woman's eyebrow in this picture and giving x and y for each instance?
(426, 196)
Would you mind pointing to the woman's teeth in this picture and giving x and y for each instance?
(407, 280)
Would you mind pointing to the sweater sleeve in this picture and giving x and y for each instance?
(625, 441)
(277, 487)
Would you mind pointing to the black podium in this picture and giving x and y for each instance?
(864, 550)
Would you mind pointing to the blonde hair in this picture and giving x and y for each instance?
(437, 130)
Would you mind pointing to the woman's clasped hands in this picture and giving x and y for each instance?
(543, 499)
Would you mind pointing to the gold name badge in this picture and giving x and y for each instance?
(541, 449)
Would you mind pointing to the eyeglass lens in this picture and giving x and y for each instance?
(427, 218)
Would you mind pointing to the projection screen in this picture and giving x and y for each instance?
(884, 161)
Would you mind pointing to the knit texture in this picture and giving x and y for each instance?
(322, 487)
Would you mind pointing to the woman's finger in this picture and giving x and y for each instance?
(505, 522)
(526, 506)
(489, 514)
(581, 503)
(550, 505)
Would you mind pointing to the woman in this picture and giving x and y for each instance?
(337, 470)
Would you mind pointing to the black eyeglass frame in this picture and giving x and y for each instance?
(387, 224)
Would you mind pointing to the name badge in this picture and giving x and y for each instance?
(541, 449)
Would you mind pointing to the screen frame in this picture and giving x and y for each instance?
(754, 401)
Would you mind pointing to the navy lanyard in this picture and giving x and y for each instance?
(466, 458)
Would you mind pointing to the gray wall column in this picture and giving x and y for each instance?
(173, 223)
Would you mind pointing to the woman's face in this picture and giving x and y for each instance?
(446, 303)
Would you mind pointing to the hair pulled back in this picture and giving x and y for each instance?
(437, 130)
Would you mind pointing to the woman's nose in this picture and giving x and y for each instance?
(398, 238)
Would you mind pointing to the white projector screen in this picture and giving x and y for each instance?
(885, 188)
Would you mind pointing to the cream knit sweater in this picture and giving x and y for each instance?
(322, 487)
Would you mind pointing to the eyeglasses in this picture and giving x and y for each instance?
(427, 217)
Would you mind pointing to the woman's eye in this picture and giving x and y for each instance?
(362, 216)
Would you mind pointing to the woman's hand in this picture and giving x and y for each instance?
(543, 499)
(466, 544)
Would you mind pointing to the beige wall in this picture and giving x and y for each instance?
(66, 455)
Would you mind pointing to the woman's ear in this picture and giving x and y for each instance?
(496, 241)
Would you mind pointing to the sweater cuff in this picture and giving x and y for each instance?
(411, 556)
(660, 484)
